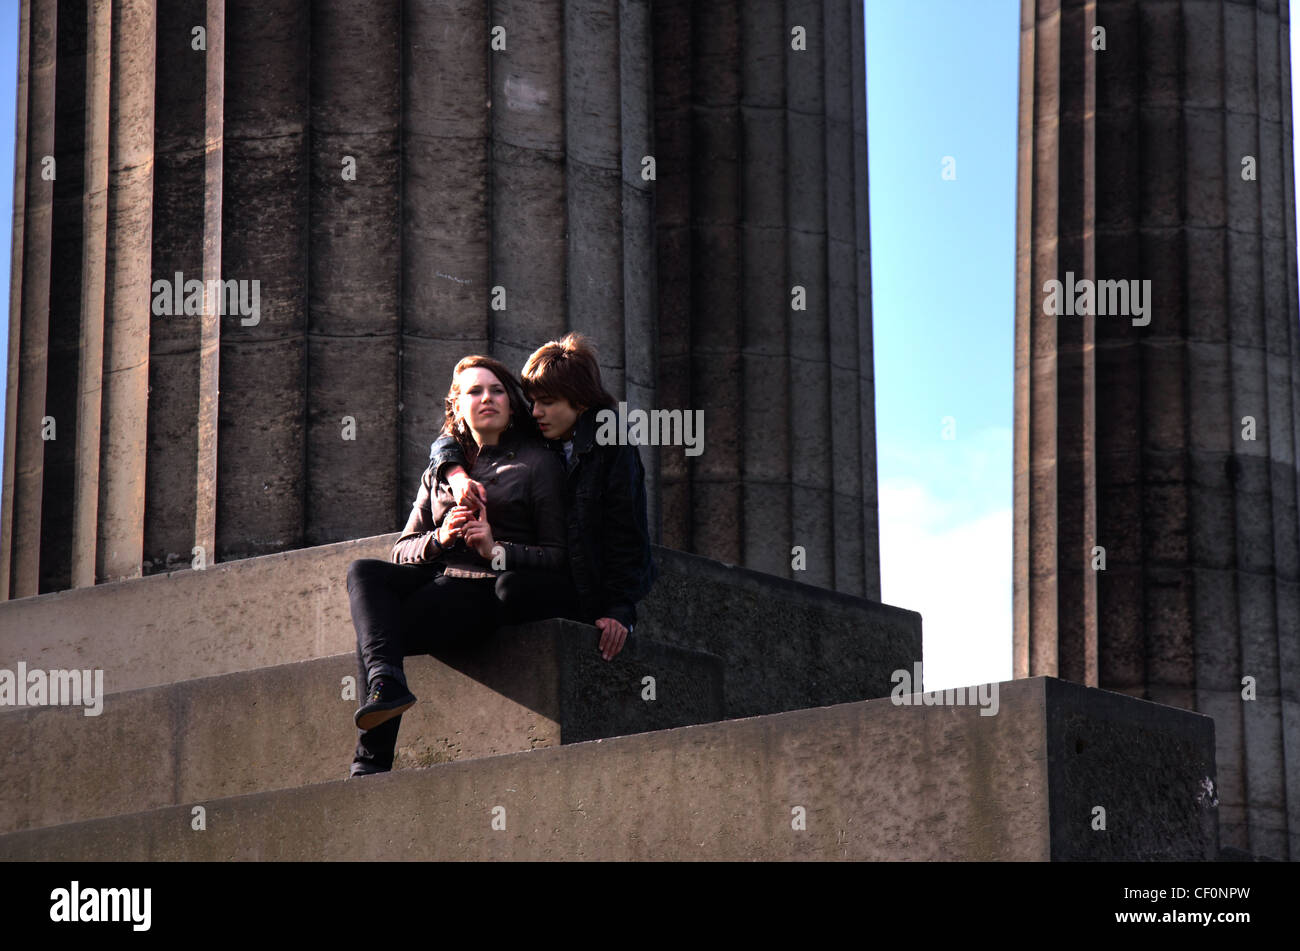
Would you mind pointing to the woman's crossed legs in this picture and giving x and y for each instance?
(400, 610)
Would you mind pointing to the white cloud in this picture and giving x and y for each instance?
(957, 574)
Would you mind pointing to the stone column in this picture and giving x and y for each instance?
(499, 144)
(764, 288)
(714, 279)
(124, 408)
(181, 476)
(529, 185)
(28, 302)
(261, 447)
(673, 142)
(69, 288)
(1167, 438)
(355, 270)
(636, 118)
(523, 150)
(90, 335)
(15, 298)
(446, 217)
(593, 186)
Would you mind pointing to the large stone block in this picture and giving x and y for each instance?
(784, 645)
(529, 686)
(871, 780)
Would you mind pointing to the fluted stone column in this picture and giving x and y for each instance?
(83, 338)
(762, 194)
(15, 298)
(28, 301)
(673, 136)
(90, 332)
(714, 279)
(355, 270)
(529, 180)
(593, 171)
(636, 118)
(261, 445)
(124, 407)
(446, 215)
(1171, 444)
(67, 291)
(181, 476)
(436, 179)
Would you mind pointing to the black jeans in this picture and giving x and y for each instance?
(400, 610)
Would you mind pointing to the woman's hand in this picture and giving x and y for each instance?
(478, 535)
(453, 526)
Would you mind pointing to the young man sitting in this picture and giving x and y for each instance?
(608, 539)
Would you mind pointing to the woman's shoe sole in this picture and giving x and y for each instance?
(372, 719)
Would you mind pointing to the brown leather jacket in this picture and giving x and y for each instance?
(525, 509)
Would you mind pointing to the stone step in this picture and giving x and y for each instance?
(872, 780)
(785, 645)
(291, 725)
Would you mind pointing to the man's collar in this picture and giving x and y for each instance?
(584, 434)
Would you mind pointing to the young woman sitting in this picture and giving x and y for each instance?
(459, 570)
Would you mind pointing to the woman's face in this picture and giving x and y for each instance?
(483, 402)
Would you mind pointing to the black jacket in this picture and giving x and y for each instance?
(605, 503)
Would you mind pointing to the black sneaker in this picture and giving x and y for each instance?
(387, 699)
(363, 769)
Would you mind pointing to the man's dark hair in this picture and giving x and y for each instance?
(566, 369)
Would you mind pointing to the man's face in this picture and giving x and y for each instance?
(556, 416)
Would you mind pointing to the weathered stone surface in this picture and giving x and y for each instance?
(1134, 437)
(515, 160)
(1165, 809)
(184, 349)
(279, 727)
(872, 780)
(785, 645)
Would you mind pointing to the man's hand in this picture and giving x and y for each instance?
(478, 535)
(612, 636)
(466, 490)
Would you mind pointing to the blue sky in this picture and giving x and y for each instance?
(941, 81)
